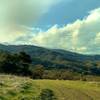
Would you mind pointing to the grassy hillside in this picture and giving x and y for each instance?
(19, 88)
(53, 58)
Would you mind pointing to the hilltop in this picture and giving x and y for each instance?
(46, 52)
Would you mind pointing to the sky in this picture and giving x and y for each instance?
(72, 25)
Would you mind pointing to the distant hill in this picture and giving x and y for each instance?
(55, 58)
(44, 52)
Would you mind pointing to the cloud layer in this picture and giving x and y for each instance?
(14, 14)
(82, 36)
(23, 11)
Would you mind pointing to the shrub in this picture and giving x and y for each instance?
(47, 94)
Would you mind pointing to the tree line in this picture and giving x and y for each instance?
(22, 64)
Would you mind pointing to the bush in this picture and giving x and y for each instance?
(47, 94)
(37, 71)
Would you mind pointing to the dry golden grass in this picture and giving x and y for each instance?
(22, 88)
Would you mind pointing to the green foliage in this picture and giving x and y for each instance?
(23, 88)
(15, 63)
(37, 72)
(47, 94)
(24, 58)
(23, 64)
(52, 59)
(61, 75)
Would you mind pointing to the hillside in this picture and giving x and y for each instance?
(21, 88)
(49, 53)
(57, 59)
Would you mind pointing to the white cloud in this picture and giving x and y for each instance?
(97, 39)
(82, 36)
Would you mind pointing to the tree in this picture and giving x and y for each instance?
(37, 71)
(24, 58)
(7, 64)
(15, 63)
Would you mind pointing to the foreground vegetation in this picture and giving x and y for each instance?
(22, 88)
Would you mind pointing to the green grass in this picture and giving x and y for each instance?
(22, 88)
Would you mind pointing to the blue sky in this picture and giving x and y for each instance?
(67, 12)
(72, 25)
